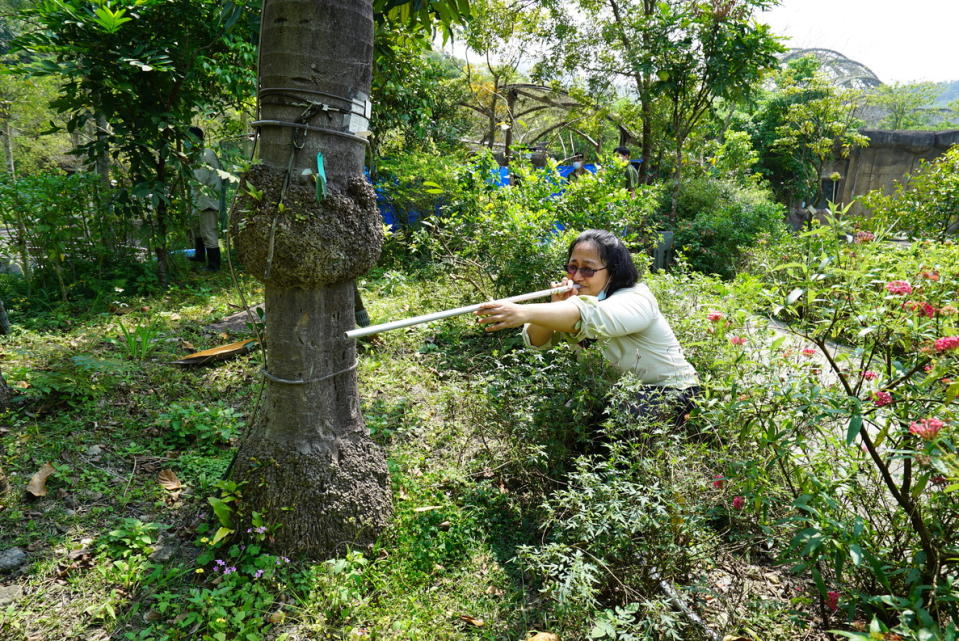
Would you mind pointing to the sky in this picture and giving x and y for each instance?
(899, 40)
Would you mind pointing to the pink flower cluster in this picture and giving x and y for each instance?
(864, 237)
(930, 274)
(714, 316)
(918, 306)
(926, 428)
(739, 502)
(882, 398)
(809, 352)
(946, 343)
(870, 375)
(737, 340)
(898, 287)
(949, 310)
(832, 600)
(718, 482)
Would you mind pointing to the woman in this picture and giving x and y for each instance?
(619, 314)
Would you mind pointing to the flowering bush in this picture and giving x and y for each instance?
(875, 422)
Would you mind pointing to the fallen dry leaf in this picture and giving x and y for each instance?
(479, 623)
(277, 617)
(543, 636)
(168, 480)
(38, 484)
(187, 345)
(427, 508)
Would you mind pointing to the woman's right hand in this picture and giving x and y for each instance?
(555, 298)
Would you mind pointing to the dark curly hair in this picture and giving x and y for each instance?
(613, 253)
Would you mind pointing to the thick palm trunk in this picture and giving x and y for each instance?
(309, 465)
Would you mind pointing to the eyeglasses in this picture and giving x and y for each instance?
(587, 272)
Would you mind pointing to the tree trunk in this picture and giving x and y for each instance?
(5, 392)
(4, 321)
(309, 465)
(8, 148)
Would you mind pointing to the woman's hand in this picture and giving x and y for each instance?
(497, 315)
(555, 298)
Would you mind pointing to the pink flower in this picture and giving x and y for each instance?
(739, 502)
(870, 375)
(898, 287)
(882, 398)
(930, 274)
(719, 482)
(715, 317)
(809, 352)
(832, 600)
(864, 237)
(946, 343)
(939, 480)
(926, 428)
(737, 340)
(949, 310)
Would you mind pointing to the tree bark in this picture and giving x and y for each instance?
(5, 392)
(4, 320)
(309, 465)
(8, 147)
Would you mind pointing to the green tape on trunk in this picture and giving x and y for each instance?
(320, 178)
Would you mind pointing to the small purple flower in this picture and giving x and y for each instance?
(229, 570)
(220, 562)
(261, 530)
(285, 559)
(258, 574)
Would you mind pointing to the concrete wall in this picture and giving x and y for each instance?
(888, 158)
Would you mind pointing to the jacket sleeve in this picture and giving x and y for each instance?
(548, 344)
(621, 314)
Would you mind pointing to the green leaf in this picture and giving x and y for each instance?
(855, 424)
(224, 513)
(110, 20)
(222, 533)
(920, 485)
(951, 488)
(855, 553)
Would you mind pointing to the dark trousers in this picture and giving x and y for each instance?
(664, 404)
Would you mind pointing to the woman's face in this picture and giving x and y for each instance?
(586, 254)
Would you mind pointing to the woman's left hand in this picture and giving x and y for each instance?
(497, 315)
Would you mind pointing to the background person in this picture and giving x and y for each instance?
(631, 175)
(620, 314)
(206, 205)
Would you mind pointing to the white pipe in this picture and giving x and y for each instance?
(426, 318)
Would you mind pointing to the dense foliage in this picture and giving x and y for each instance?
(925, 203)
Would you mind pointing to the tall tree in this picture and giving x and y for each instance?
(805, 122)
(307, 225)
(684, 53)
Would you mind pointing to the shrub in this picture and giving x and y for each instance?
(853, 426)
(70, 244)
(718, 220)
(925, 204)
(513, 239)
(204, 429)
